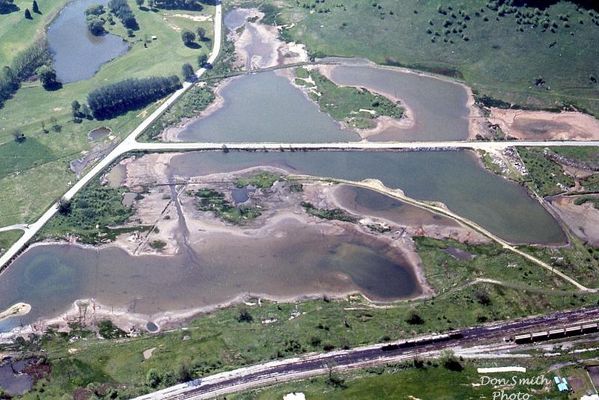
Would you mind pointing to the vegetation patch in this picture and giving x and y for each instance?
(90, 215)
(261, 180)
(356, 107)
(545, 176)
(587, 199)
(330, 214)
(214, 201)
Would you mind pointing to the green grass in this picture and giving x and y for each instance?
(93, 211)
(40, 164)
(261, 180)
(401, 382)
(345, 103)
(589, 155)
(214, 201)
(7, 239)
(497, 60)
(218, 341)
(330, 214)
(545, 176)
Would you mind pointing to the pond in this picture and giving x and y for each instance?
(78, 54)
(218, 270)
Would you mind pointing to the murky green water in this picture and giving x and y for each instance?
(77, 53)
(453, 177)
(299, 260)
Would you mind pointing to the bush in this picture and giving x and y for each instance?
(414, 318)
(245, 316)
(188, 72)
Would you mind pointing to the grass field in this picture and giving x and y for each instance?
(8, 238)
(498, 53)
(221, 340)
(40, 164)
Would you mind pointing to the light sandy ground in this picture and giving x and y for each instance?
(542, 125)
(582, 219)
(16, 310)
(148, 353)
(266, 36)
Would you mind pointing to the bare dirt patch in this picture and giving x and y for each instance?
(582, 219)
(542, 125)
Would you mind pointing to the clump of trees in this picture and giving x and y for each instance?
(23, 66)
(7, 6)
(188, 38)
(194, 5)
(118, 98)
(95, 24)
(121, 9)
(47, 76)
(80, 111)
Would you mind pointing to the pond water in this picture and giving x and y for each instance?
(78, 54)
(52, 277)
(438, 106)
(453, 177)
(265, 107)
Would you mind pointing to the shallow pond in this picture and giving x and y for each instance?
(298, 260)
(76, 52)
(453, 177)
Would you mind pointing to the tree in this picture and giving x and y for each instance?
(202, 60)
(414, 319)
(18, 135)
(139, 2)
(201, 32)
(245, 316)
(47, 76)
(188, 72)
(76, 109)
(35, 7)
(64, 206)
(28, 14)
(86, 112)
(188, 37)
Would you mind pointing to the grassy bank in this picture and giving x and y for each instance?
(40, 164)
(357, 108)
(236, 336)
(532, 57)
(545, 177)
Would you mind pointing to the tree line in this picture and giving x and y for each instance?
(24, 65)
(121, 9)
(118, 98)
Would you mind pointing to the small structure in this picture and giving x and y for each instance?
(562, 384)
